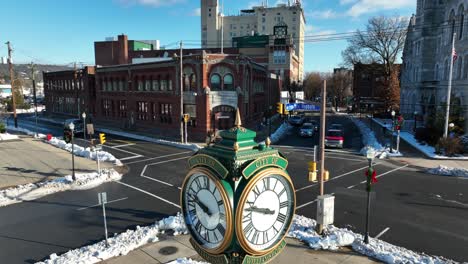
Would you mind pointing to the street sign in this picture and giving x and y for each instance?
(90, 129)
(102, 198)
(301, 106)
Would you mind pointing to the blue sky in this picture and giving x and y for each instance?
(63, 31)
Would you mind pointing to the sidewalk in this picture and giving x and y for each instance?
(30, 160)
(172, 248)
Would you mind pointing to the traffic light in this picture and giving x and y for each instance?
(279, 108)
(102, 138)
(312, 171)
(67, 136)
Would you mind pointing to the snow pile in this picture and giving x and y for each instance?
(186, 261)
(280, 132)
(84, 152)
(32, 191)
(120, 244)
(193, 147)
(303, 229)
(426, 149)
(6, 136)
(370, 141)
(25, 131)
(447, 171)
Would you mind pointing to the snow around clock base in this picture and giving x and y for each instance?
(236, 258)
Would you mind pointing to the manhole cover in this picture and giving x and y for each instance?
(168, 250)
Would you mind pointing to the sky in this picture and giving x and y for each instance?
(64, 31)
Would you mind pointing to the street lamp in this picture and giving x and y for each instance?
(72, 128)
(84, 125)
(370, 153)
(415, 114)
(451, 126)
(393, 129)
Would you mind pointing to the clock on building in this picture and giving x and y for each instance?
(280, 30)
(265, 211)
(207, 210)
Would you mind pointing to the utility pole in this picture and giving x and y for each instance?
(222, 27)
(323, 112)
(13, 94)
(449, 90)
(33, 73)
(181, 116)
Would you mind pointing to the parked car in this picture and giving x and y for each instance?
(336, 127)
(79, 128)
(307, 130)
(315, 124)
(334, 138)
(296, 120)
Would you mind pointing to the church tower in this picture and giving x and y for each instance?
(210, 23)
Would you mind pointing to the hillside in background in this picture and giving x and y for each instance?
(24, 71)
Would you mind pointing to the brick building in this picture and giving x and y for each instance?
(146, 96)
(70, 92)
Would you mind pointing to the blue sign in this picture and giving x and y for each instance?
(301, 106)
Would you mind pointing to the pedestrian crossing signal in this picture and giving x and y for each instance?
(102, 138)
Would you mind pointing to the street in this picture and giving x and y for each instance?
(424, 213)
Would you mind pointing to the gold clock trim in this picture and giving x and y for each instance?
(229, 225)
(239, 232)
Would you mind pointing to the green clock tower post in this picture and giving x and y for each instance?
(238, 200)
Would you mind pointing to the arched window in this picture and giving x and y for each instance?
(186, 82)
(452, 24)
(436, 72)
(215, 82)
(193, 82)
(465, 69)
(460, 68)
(461, 11)
(228, 82)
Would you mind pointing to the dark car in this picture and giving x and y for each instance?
(78, 123)
(296, 120)
(334, 138)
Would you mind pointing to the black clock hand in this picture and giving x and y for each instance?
(202, 206)
(260, 210)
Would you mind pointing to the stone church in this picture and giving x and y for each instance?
(426, 60)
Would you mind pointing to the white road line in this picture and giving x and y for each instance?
(308, 203)
(148, 193)
(124, 145)
(159, 157)
(383, 174)
(125, 151)
(132, 157)
(383, 232)
(334, 178)
(333, 157)
(142, 174)
(112, 201)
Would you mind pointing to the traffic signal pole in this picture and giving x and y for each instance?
(323, 111)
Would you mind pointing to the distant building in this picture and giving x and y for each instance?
(259, 20)
(70, 92)
(426, 59)
(369, 82)
(5, 90)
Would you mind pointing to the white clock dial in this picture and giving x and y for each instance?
(267, 211)
(205, 209)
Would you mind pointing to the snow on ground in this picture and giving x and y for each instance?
(369, 140)
(32, 191)
(6, 136)
(426, 149)
(78, 150)
(30, 110)
(304, 229)
(280, 132)
(447, 171)
(186, 261)
(120, 244)
(193, 147)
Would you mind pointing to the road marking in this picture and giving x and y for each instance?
(142, 174)
(159, 157)
(334, 178)
(113, 201)
(148, 193)
(308, 203)
(332, 157)
(132, 157)
(381, 233)
(124, 145)
(385, 173)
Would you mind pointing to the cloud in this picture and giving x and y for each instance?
(345, 2)
(323, 14)
(196, 12)
(368, 6)
(315, 31)
(152, 3)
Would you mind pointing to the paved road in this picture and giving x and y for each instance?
(424, 213)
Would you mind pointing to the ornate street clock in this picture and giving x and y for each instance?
(238, 200)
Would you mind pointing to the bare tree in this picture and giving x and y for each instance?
(353, 54)
(383, 40)
(313, 83)
(340, 86)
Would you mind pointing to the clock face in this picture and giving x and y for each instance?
(207, 210)
(265, 211)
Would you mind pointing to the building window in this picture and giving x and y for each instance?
(279, 57)
(263, 28)
(462, 22)
(122, 108)
(106, 107)
(165, 111)
(116, 85)
(169, 84)
(142, 109)
(156, 84)
(436, 72)
(191, 109)
(228, 82)
(148, 85)
(154, 111)
(163, 85)
(193, 82)
(215, 82)
(263, 20)
(186, 79)
(121, 85)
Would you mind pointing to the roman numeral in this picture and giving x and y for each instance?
(282, 191)
(220, 202)
(256, 191)
(222, 217)
(266, 184)
(197, 181)
(247, 217)
(221, 229)
(248, 229)
(284, 204)
(265, 237)
(255, 237)
(193, 211)
(216, 236)
(198, 227)
(276, 230)
(281, 217)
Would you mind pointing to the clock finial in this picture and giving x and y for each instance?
(238, 122)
